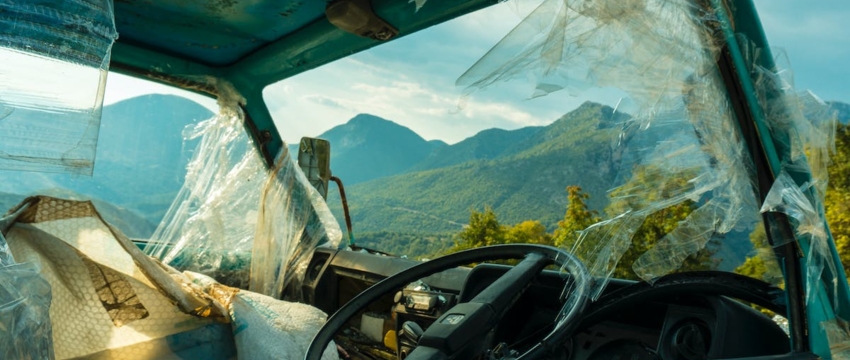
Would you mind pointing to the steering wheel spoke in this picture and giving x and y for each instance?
(468, 323)
(462, 330)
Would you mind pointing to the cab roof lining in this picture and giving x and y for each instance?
(251, 43)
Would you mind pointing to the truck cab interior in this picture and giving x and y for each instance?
(246, 258)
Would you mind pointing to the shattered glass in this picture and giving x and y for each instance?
(679, 136)
(236, 220)
(55, 58)
(801, 205)
(25, 327)
(681, 140)
(838, 333)
(111, 301)
(803, 131)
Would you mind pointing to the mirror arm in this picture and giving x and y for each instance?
(344, 209)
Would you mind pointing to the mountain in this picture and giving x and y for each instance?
(842, 110)
(368, 147)
(140, 163)
(487, 144)
(513, 174)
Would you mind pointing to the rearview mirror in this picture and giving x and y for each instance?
(314, 158)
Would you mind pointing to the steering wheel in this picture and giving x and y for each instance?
(463, 329)
(694, 282)
(714, 283)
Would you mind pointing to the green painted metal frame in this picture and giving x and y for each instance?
(320, 42)
(819, 309)
(312, 46)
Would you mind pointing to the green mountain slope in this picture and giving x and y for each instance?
(140, 163)
(526, 182)
(487, 144)
(368, 147)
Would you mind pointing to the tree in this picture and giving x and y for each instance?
(528, 232)
(653, 229)
(577, 218)
(837, 198)
(483, 230)
(763, 264)
(648, 185)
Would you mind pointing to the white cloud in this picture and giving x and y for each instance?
(411, 81)
(324, 100)
(508, 113)
(427, 106)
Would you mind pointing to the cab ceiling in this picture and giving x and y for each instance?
(211, 32)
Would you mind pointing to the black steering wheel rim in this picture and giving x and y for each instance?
(705, 282)
(573, 308)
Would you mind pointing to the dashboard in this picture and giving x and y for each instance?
(684, 327)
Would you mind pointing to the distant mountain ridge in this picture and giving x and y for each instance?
(140, 164)
(509, 171)
(368, 147)
(396, 180)
(487, 144)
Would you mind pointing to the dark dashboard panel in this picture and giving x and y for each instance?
(328, 267)
(686, 327)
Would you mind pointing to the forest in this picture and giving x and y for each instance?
(484, 228)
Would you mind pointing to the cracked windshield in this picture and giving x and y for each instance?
(618, 131)
(141, 156)
(630, 156)
(475, 132)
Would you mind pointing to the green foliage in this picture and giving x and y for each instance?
(412, 245)
(483, 230)
(763, 264)
(519, 174)
(577, 218)
(653, 185)
(837, 199)
(528, 232)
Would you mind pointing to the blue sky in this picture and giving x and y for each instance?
(816, 38)
(411, 80)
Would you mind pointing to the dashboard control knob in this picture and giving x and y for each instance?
(691, 341)
(412, 331)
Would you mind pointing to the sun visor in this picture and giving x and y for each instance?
(55, 57)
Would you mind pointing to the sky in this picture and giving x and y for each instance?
(411, 80)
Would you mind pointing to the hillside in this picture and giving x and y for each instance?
(368, 147)
(487, 144)
(140, 163)
(520, 184)
(396, 181)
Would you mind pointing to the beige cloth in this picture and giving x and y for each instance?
(110, 301)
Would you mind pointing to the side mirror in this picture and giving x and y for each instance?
(314, 158)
